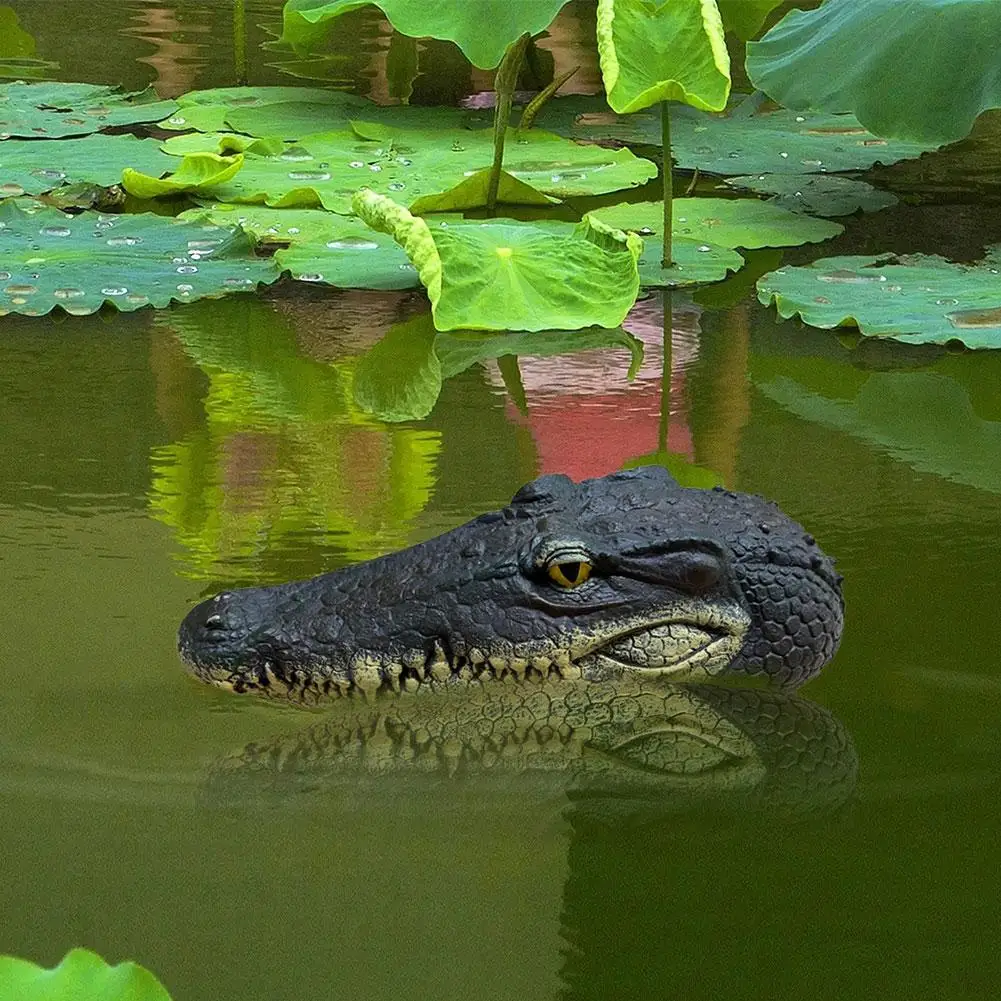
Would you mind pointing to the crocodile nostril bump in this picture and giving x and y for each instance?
(215, 622)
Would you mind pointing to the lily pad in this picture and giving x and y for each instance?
(52, 110)
(775, 142)
(695, 263)
(653, 52)
(499, 275)
(930, 67)
(80, 262)
(917, 299)
(319, 246)
(82, 976)
(35, 166)
(725, 222)
(400, 378)
(293, 120)
(483, 30)
(327, 169)
(197, 173)
(816, 194)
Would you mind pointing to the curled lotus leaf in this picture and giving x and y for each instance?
(197, 173)
(652, 52)
(498, 275)
(52, 110)
(80, 262)
(916, 299)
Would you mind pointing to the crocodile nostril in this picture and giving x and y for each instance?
(215, 622)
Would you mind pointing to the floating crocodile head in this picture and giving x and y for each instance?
(627, 575)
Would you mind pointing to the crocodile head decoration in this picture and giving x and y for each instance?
(623, 576)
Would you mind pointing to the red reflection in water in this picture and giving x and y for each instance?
(584, 415)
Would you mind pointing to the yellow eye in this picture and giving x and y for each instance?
(570, 574)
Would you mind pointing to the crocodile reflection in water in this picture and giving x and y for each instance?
(644, 744)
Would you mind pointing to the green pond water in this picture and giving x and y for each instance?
(247, 851)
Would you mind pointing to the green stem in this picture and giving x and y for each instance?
(504, 84)
(667, 260)
(240, 40)
(667, 364)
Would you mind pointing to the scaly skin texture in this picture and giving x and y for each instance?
(680, 583)
(641, 743)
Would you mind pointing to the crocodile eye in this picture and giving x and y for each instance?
(570, 574)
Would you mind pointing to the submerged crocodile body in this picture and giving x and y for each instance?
(630, 575)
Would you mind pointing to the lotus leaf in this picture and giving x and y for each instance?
(80, 976)
(816, 194)
(695, 262)
(197, 173)
(483, 30)
(652, 52)
(34, 166)
(80, 262)
(293, 120)
(916, 299)
(401, 377)
(320, 246)
(726, 222)
(745, 17)
(499, 275)
(52, 110)
(930, 67)
(327, 169)
(776, 142)
(472, 194)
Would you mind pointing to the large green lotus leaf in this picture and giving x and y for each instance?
(52, 110)
(672, 50)
(198, 173)
(916, 299)
(79, 262)
(921, 70)
(745, 17)
(775, 142)
(726, 222)
(319, 246)
(327, 169)
(34, 166)
(400, 378)
(500, 275)
(80, 976)
(816, 194)
(482, 29)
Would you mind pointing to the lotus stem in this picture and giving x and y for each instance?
(504, 84)
(667, 260)
(667, 366)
